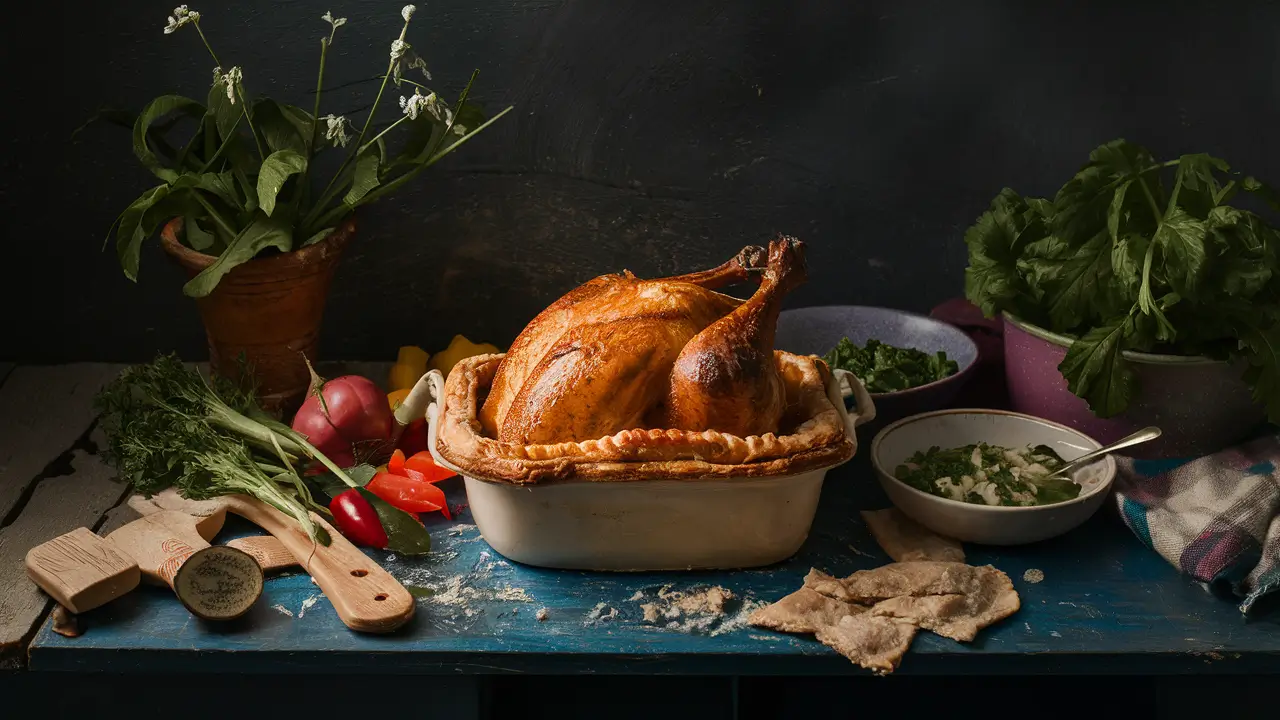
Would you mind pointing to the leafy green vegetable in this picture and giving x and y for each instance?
(989, 475)
(1137, 254)
(884, 368)
(167, 426)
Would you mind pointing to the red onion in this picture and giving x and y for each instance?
(346, 418)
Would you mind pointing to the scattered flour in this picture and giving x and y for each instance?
(282, 609)
(542, 615)
(307, 604)
(600, 613)
(458, 592)
(1033, 576)
(708, 611)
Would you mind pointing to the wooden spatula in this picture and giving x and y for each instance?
(365, 596)
(210, 516)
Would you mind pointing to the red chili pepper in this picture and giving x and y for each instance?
(356, 519)
(425, 464)
(408, 493)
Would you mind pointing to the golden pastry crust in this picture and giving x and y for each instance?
(816, 437)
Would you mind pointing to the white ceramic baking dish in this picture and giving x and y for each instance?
(650, 524)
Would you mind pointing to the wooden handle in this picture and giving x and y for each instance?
(81, 570)
(160, 543)
(365, 596)
(270, 553)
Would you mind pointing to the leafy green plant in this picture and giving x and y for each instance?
(1137, 254)
(242, 181)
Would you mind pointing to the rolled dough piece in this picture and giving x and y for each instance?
(906, 540)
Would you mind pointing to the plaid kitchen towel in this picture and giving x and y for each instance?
(1216, 518)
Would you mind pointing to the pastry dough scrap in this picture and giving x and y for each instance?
(804, 611)
(905, 540)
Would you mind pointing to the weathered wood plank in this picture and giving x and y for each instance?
(58, 504)
(43, 411)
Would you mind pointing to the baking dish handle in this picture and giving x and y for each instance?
(864, 408)
(424, 402)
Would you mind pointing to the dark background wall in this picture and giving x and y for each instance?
(653, 135)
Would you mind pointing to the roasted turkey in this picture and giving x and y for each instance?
(620, 353)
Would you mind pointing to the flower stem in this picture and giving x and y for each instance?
(239, 90)
(379, 135)
(207, 46)
(329, 189)
(315, 117)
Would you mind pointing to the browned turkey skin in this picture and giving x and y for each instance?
(620, 353)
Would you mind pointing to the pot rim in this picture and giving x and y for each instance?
(1130, 355)
(174, 247)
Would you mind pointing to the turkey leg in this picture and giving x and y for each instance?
(726, 378)
(750, 261)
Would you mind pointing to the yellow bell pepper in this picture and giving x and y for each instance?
(459, 349)
(411, 364)
(396, 397)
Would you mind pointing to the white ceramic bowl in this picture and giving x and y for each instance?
(983, 524)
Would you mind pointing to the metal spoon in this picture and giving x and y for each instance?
(1143, 435)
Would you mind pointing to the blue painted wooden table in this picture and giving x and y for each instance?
(1106, 605)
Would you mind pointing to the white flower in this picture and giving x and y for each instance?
(335, 22)
(402, 56)
(230, 79)
(399, 48)
(336, 131)
(181, 16)
(415, 104)
(459, 130)
(407, 12)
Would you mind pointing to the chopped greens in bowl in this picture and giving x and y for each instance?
(990, 475)
(884, 368)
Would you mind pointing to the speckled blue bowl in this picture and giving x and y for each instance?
(815, 330)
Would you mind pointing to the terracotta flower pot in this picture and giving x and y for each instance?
(269, 309)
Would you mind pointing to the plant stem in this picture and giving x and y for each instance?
(315, 119)
(214, 214)
(207, 46)
(1151, 202)
(217, 154)
(239, 90)
(379, 135)
(329, 189)
(391, 186)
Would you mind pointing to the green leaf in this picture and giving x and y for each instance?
(1096, 370)
(262, 233)
(364, 178)
(405, 533)
(1076, 280)
(1082, 206)
(1262, 351)
(1181, 241)
(1126, 261)
(317, 237)
(995, 241)
(197, 238)
(156, 109)
(132, 231)
(283, 127)
(122, 118)
(273, 174)
(1266, 192)
(220, 184)
(224, 113)
(1195, 188)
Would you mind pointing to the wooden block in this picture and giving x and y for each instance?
(57, 505)
(81, 570)
(270, 553)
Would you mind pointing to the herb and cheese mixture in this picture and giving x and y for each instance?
(990, 475)
(884, 368)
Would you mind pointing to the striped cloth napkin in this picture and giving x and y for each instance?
(1216, 518)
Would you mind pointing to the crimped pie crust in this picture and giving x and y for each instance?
(817, 437)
